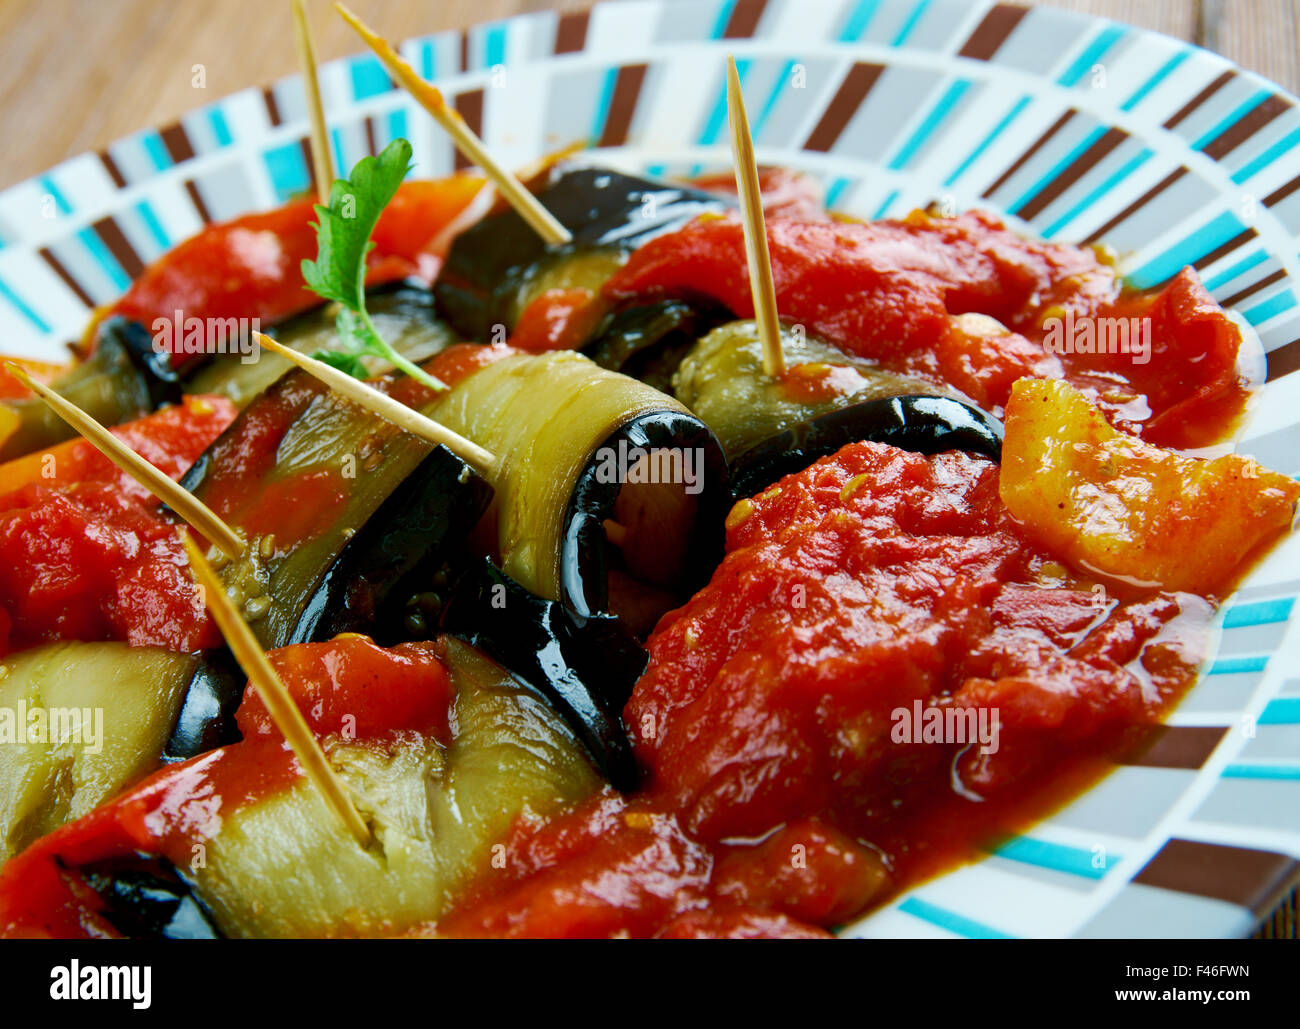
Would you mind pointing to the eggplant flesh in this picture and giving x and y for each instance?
(491, 264)
(403, 511)
(284, 866)
(584, 667)
(402, 311)
(123, 379)
(922, 424)
(81, 721)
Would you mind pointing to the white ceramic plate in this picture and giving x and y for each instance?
(1081, 129)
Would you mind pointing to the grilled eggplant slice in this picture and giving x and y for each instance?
(496, 266)
(923, 424)
(607, 491)
(148, 898)
(80, 721)
(649, 342)
(585, 667)
(123, 379)
(341, 510)
(401, 311)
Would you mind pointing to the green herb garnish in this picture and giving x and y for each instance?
(339, 271)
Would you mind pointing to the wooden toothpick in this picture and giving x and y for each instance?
(751, 205)
(430, 98)
(321, 156)
(182, 501)
(284, 712)
(386, 407)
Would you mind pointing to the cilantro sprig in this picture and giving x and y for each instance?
(339, 271)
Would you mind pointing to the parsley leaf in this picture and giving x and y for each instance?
(342, 242)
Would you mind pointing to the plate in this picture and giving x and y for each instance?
(1076, 128)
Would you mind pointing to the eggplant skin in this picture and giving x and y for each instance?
(584, 573)
(418, 531)
(147, 898)
(585, 668)
(922, 424)
(207, 717)
(489, 261)
(648, 342)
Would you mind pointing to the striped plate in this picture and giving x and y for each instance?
(1079, 129)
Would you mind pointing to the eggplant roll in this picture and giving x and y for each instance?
(81, 721)
(285, 866)
(345, 514)
(608, 492)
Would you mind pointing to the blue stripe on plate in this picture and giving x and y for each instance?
(1270, 308)
(724, 16)
(1231, 119)
(1056, 856)
(602, 104)
(60, 201)
(951, 97)
(1056, 169)
(154, 226)
(769, 105)
(712, 130)
(427, 60)
(1249, 771)
(1242, 266)
(1281, 711)
(397, 124)
(910, 23)
(1190, 248)
(950, 920)
(886, 204)
(975, 154)
(1082, 64)
(1155, 80)
(1263, 612)
(153, 146)
(368, 77)
(835, 191)
(1262, 160)
(1131, 166)
(104, 259)
(288, 170)
(858, 21)
(37, 321)
(1237, 665)
(495, 45)
(220, 128)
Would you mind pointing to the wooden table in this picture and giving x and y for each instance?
(77, 74)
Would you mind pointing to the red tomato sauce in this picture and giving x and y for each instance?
(780, 706)
(84, 552)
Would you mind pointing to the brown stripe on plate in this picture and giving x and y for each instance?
(177, 142)
(848, 98)
(1174, 746)
(272, 107)
(1254, 879)
(48, 257)
(571, 32)
(110, 166)
(744, 19)
(1283, 360)
(1138, 204)
(464, 50)
(1247, 127)
(119, 246)
(372, 143)
(1253, 288)
(196, 198)
(1224, 249)
(1086, 161)
(470, 107)
(304, 145)
(1200, 98)
(1282, 192)
(992, 32)
(622, 105)
(1043, 140)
